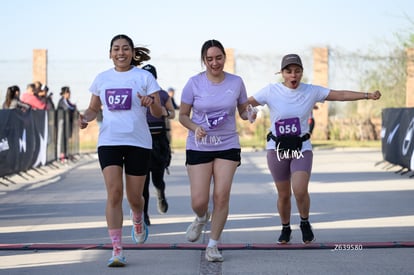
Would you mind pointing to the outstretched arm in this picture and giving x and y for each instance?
(344, 95)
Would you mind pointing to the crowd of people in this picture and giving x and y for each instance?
(36, 97)
(134, 141)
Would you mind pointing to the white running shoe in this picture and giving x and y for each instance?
(139, 232)
(117, 259)
(196, 227)
(213, 254)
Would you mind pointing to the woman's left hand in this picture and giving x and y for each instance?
(83, 122)
(375, 95)
(251, 113)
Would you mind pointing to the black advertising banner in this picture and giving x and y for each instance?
(40, 137)
(397, 136)
(17, 144)
(389, 134)
(28, 139)
(10, 131)
(51, 136)
(407, 145)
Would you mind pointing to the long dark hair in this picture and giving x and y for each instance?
(141, 53)
(10, 95)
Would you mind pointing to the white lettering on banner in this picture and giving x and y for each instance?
(412, 161)
(22, 142)
(392, 134)
(4, 145)
(408, 138)
(286, 154)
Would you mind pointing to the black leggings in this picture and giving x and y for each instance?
(157, 177)
(160, 159)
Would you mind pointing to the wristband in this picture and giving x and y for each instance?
(366, 95)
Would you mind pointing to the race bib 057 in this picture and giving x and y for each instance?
(118, 99)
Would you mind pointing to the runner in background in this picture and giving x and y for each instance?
(161, 151)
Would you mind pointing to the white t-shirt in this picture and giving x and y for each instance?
(289, 105)
(124, 119)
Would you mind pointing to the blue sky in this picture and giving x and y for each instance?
(78, 32)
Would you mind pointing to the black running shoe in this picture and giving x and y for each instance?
(285, 235)
(147, 220)
(307, 234)
(162, 204)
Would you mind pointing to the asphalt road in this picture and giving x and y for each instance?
(52, 221)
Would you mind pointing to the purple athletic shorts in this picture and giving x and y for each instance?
(282, 168)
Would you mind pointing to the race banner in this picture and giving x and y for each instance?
(18, 143)
(397, 136)
(28, 138)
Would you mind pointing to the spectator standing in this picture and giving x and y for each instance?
(171, 93)
(46, 97)
(65, 116)
(12, 99)
(38, 87)
(30, 97)
(64, 102)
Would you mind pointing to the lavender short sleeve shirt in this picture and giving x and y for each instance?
(214, 106)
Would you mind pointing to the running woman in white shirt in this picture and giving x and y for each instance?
(124, 92)
(289, 150)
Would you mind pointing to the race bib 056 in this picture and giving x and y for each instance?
(288, 127)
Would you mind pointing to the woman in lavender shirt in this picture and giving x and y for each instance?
(213, 148)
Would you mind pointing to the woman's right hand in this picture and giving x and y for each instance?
(199, 132)
(83, 123)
